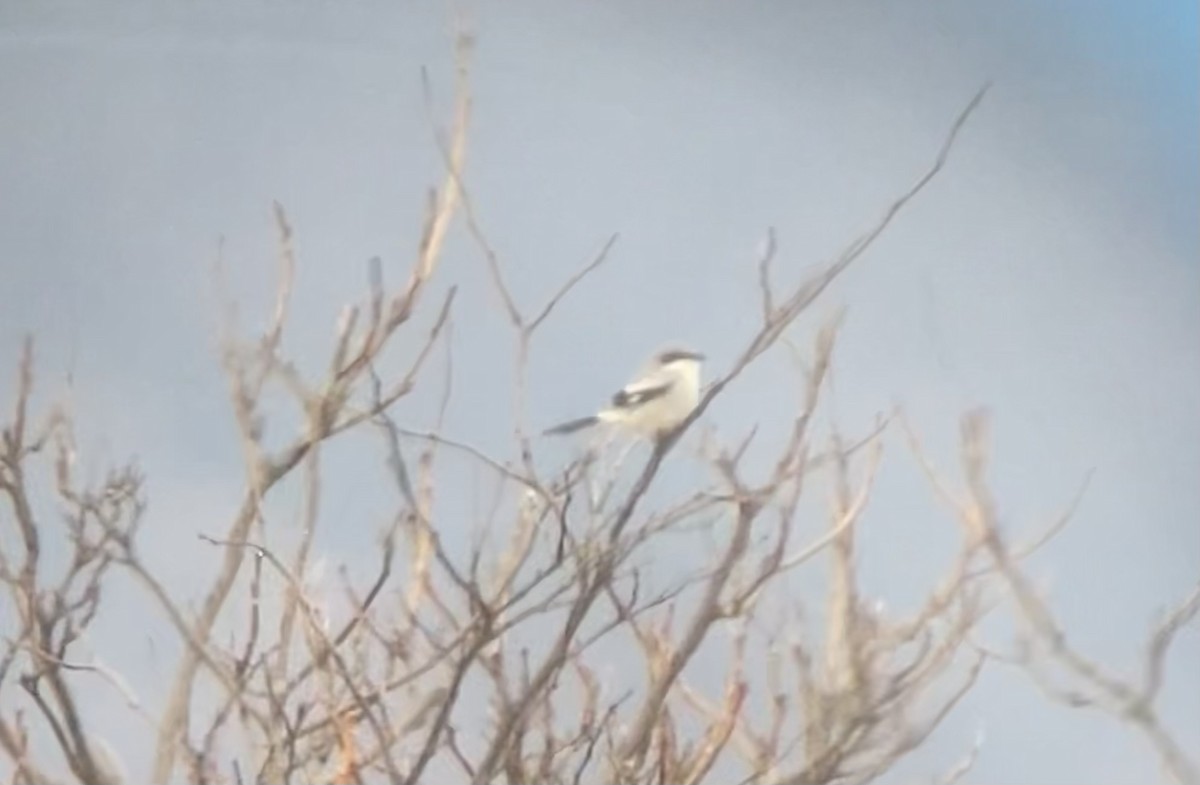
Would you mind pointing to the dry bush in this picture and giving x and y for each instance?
(488, 665)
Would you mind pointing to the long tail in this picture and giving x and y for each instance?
(572, 426)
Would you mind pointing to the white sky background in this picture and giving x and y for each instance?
(1050, 273)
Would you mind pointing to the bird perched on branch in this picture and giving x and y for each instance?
(655, 402)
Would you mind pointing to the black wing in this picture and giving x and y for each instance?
(628, 399)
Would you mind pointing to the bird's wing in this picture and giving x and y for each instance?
(642, 390)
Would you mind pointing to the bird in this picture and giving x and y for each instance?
(655, 402)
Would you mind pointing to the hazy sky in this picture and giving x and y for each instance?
(1052, 272)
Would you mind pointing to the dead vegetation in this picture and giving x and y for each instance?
(484, 668)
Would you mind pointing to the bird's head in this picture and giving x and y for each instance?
(677, 355)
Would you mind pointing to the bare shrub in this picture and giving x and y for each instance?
(489, 665)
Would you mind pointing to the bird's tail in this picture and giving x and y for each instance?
(571, 426)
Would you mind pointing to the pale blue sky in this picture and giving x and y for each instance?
(1051, 273)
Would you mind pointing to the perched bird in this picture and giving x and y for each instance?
(654, 403)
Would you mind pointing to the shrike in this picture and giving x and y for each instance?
(654, 403)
